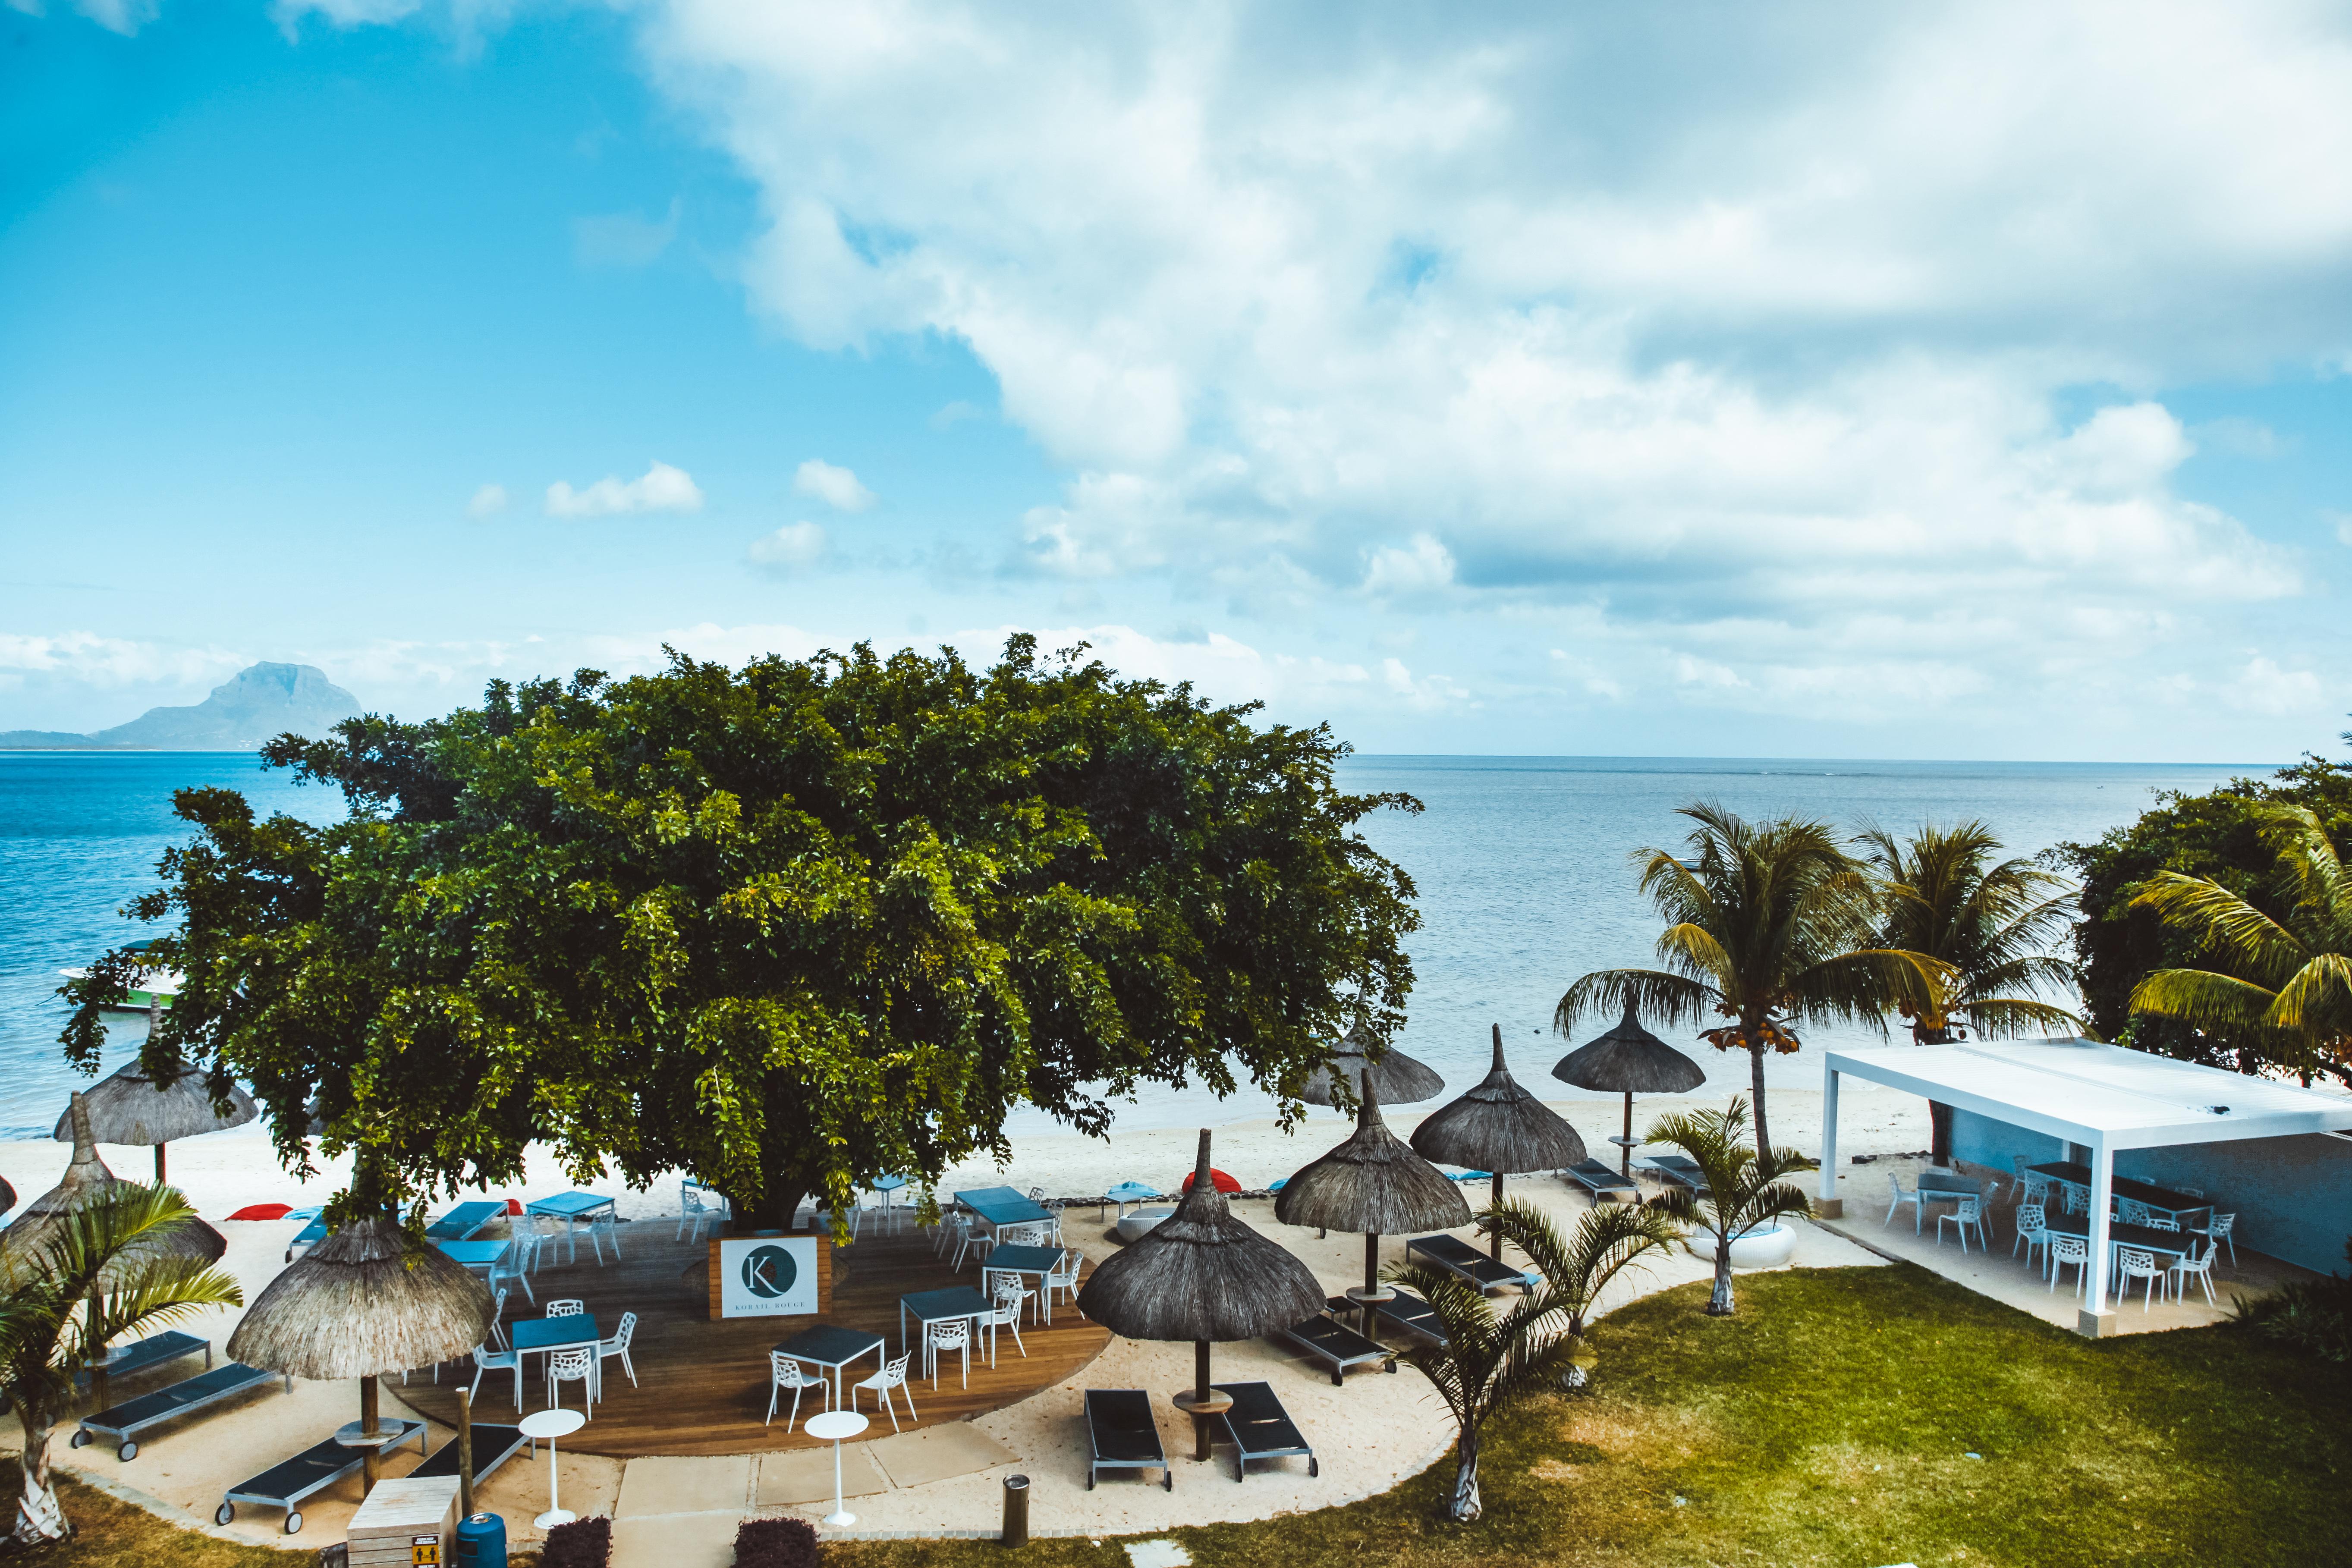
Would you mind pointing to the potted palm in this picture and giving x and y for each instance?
(1738, 1195)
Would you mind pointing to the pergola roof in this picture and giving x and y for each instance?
(2099, 1095)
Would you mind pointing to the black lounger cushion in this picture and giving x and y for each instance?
(164, 1401)
(1124, 1432)
(493, 1446)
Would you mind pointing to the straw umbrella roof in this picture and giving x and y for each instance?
(1630, 1059)
(1402, 1079)
(7, 1196)
(88, 1179)
(1200, 1274)
(132, 1107)
(1500, 1127)
(358, 1305)
(1372, 1182)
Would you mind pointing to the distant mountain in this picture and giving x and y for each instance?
(242, 713)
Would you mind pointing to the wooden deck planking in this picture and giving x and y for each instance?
(703, 1384)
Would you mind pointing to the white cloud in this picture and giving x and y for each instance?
(794, 544)
(837, 488)
(624, 239)
(1426, 567)
(86, 656)
(662, 489)
(2267, 689)
(488, 501)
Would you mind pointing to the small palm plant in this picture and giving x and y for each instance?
(1743, 1188)
(1491, 1358)
(90, 1280)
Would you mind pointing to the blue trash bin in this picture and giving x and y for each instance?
(482, 1541)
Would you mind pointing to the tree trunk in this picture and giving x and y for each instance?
(1756, 1079)
(1939, 1133)
(40, 1516)
(1718, 1305)
(1465, 1507)
(771, 1208)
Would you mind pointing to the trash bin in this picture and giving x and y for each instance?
(1016, 1511)
(481, 1541)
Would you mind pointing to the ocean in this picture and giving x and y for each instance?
(1522, 865)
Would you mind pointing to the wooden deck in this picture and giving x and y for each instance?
(702, 1386)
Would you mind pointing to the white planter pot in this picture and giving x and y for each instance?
(1137, 1224)
(1760, 1247)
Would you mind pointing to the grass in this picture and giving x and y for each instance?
(111, 1533)
(1829, 1423)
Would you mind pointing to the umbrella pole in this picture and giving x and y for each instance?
(1495, 1246)
(370, 1424)
(465, 1453)
(1202, 1403)
(1625, 1149)
(159, 1164)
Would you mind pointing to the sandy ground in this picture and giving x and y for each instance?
(1369, 1434)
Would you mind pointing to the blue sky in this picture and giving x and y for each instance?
(1960, 382)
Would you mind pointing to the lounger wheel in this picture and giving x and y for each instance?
(128, 1452)
(80, 1440)
(1090, 1480)
(224, 1513)
(1314, 1465)
(1389, 1365)
(293, 1524)
(1168, 1480)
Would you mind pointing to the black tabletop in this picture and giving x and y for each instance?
(828, 1346)
(936, 1306)
(1023, 1259)
(2147, 1192)
(2173, 1243)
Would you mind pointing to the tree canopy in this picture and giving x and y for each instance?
(788, 928)
(1990, 922)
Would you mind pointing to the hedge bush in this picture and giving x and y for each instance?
(582, 1544)
(775, 1543)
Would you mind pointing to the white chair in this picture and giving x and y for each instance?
(2201, 1269)
(510, 1266)
(2131, 1211)
(784, 1373)
(955, 1334)
(487, 1360)
(892, 1375)
(2032, 1231)
(604, 1227)
(572, 1366)
(2161, 1221)
(618, 1345)
(1064, 1278)
(2217, 1230)
(2065, 1249)
(2192, 1192)
(969, 1239)
(1006, 1314)
(1900, 1199)
(1968, 1211)
(545, 1231)
(2032, 1187)
(2078, 1201)
(497, 1315)
(2133, 1263)
(566, 1308)
(692, 1211)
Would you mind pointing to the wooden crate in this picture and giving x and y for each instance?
(401, 1517)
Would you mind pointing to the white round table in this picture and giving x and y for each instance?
(546, 1426)
(832, 1426)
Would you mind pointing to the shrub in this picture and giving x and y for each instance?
(775, 1543)
(2314, 1316)
(582, 1544)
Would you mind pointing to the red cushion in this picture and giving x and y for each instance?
(1217, 1179)
(263, 1211)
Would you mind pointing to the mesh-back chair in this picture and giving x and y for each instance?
(488, 1360)
(1006, 1314)
(512, 1266)
(618, 1345)
(892, 1375)
(955, 1334)
(2134, 1263)
(568, 1307)
(2201, 1269)
(572, 1366)
(2078, 1201)
(1901, 1197)
(2032, 1231)
(2217, 1230)
(2032, 1187)
(1968, 1214)
(604, 1227)
(784, 1373)
(2131, 1211)
(692, 1211)
(2065, 1249)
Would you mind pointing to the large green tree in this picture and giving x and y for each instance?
(787, 927)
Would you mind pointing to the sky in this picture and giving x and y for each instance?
(1967, 381)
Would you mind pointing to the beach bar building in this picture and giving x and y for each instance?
(2278, 1155)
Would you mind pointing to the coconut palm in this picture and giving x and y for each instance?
(95, 1277)
(1491, 1358)
(1943, 894)
(2283, 976)
(1739, 1188)
(1769, 924)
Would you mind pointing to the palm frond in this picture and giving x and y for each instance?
(1669, 998)
(2205, 1000)
(2224, 922)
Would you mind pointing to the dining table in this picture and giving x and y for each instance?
(475, 1255)
(2147, 1194)
(1022, 1262)
(571, 1208)
(928, 1306)
(575, 1330)
(2147, 1238)
(832, 1348)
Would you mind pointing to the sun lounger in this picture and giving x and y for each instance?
(1601, 1181)
(125, 1422)
(1458, 1257)
(462, 1223)
(152, 1350)
(493, 1446)
(1123, 1435)
(308, 1236)
(1337, 1346)
(313, 1469)
(1260, 1428)
(1411, 1312)
(1681, 1170)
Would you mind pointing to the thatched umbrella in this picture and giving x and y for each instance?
(1373, 1183)
(86, 1179)
(1500, 1128)
(1402, 1079)
(1203, 1275)
(1632, 1060)
(132, 1107)
(358, 1305)
(7, 1196)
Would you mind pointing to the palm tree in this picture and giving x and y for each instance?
(1741, 1187)
(2285, 978)
(1490, 1358)
(91, 1278)
(1991, 924)
(1770, 925)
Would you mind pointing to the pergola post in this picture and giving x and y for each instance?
(1829, 1205)
(2094, 1320)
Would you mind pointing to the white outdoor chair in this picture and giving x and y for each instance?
(572, 1366)
(2131, 1211)
(970, 1238)
(2077, 1201)
(487, 1360)
(1064, 1280)
(2182, 1270)
(692, 1211)
(2065, 1249)
(1967, 1212)
(952, 1335)
(1006, 1314)
(1900, 1199)
(2032, 1231)
(784, 1373)
(2217, 1230)
(892, 1375)
(566, 1308)
(512, 1267)
(2131, 1263)
(546, 1230)
(2161, 1221)
(604, 1227)
(2032, 1187)
(498, 1316)
(618, 1345)
(2192, 1192)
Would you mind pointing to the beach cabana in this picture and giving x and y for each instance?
(1628, 1060)
(2276, 1157)
(1200, 1275)
(86, 1179)
(1373, 1183)
(1402, 1079)
(356, 1306)
(129, 1107)
(1500, 1128)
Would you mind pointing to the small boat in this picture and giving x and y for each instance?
(149, 987)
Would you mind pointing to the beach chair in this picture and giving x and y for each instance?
(1601, 1181)
(1407, 1311)
(308, 1236)
(125, 1422)
(1337, 1346)
(1681, 1170)
(1459, 1258)
(493, 1446)
(153, 1350)
(1121, 1436)
(1260, 1428)
(315, 1468)
(465, 1221)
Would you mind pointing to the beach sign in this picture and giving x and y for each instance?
(767, 1277)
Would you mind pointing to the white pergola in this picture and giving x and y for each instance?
(2103, 1097)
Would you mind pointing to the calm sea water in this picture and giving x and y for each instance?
(1522, 865)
